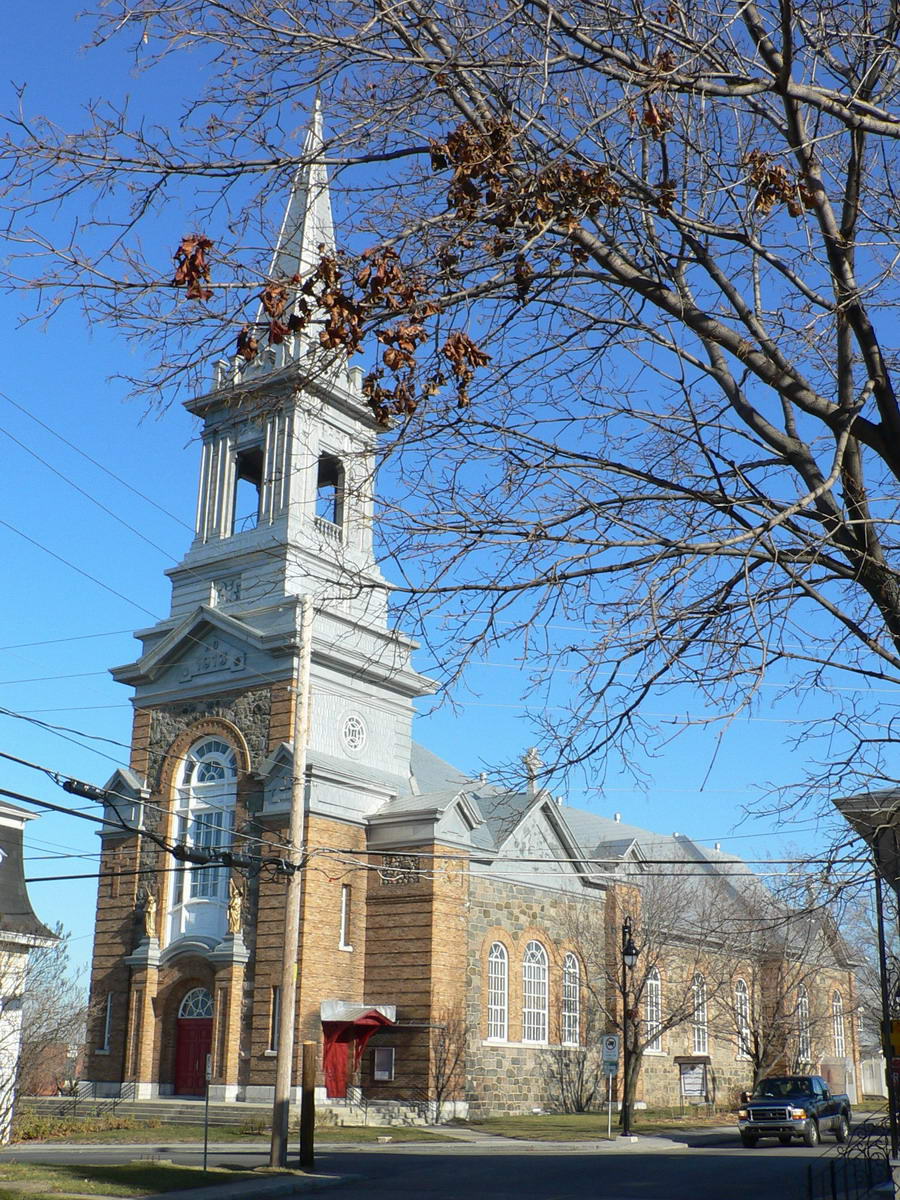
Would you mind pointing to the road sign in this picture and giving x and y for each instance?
(610, 1050)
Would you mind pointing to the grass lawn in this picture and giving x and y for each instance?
(577, 1127)
(128, 1133)
(30, 1181)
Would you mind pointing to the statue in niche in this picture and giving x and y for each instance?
(235, 904)
(148, 905)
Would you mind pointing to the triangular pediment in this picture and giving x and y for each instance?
(208, 644)
(540, 848)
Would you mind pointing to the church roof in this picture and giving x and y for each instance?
(432, 774)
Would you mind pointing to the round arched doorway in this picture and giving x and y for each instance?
(193, 1040)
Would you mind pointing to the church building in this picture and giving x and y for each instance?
(436, 960)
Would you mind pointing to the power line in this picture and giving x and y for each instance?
(100, 466)
(78, 637)
(51, 678)
(82, 492)
(86, 574)
(99, 795)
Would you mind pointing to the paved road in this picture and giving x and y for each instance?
(709, 1167)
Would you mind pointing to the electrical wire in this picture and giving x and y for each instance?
(100, 466)
(79, 570)
(77, 637)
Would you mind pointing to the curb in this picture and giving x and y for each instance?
(253, 1187)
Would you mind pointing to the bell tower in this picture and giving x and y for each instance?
(285, 508)
(187, 961)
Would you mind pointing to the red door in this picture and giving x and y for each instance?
(194, 1039)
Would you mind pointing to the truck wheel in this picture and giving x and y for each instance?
(811, 1133)
(748, 1139)
(842, 1129)
(784, 1138)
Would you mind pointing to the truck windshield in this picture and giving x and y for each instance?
(779, 1089)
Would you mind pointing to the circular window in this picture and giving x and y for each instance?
(353, 733)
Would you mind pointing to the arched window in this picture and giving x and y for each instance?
(534, 993)
(498, 993)
(804, 1038)
(653, 1010)
(248, 477)
(837, 1020)
(204, 820)
(330, 490)
(742, 1017)
(571, 1005)
(196, 1004)
(700, 1019)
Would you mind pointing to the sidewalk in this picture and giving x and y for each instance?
(251, 1188)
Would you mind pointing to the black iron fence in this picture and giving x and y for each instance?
(846, 1178)
(859, 1165)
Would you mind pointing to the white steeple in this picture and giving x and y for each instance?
(306, 234)
(307, 230)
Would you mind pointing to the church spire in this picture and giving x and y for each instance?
(307, 230)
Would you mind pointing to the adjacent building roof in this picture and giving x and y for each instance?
(18, 922)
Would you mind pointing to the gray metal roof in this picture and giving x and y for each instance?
(432, 774)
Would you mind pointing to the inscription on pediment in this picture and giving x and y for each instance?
(214, 657)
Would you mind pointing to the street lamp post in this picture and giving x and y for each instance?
(629, 959)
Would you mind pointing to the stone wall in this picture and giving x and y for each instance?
(512, 1076)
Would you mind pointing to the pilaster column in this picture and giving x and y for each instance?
(229, 960)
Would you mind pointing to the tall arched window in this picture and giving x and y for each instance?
(653, 1010)
(700, 1019)
(804, 1037)
(498, 993)
(534, 993)
(837, 1020)
(742, 1017)
(571, 1001)
(330, 490)
(204, 820)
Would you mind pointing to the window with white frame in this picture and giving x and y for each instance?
(742, 1017)
(383, 1066)
(804, 1036)
(203, 820)
(196, 1005)
(346, 896)
(571, 1001)
(274, 1018)
(535, 993)
(653, 1010)
(107, 1025)
(837, 1020)
(498, 993)
(700, 1021)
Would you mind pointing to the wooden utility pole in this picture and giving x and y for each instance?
(308, 1108)
(289, 965)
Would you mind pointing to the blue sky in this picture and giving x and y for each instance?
(84, 557)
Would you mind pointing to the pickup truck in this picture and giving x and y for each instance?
(793, 1106)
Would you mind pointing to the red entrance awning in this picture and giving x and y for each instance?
(342, 1037)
